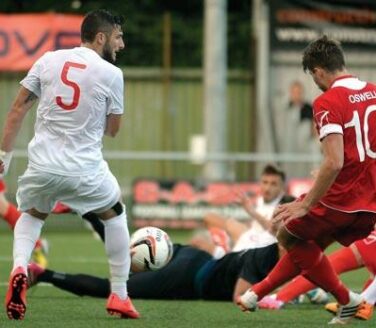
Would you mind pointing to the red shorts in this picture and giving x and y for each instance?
(367, 250)
(322, 223)
(3, 187)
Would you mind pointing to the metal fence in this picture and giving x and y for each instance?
(162, 112)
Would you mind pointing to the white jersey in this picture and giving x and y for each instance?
(257, 236)
(77, 89)
(266, 210)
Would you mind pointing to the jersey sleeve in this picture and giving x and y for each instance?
(115, 100)
(32, 80)
(327, 118)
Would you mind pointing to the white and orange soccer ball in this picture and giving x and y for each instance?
(151, 249)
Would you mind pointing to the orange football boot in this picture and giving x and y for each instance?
(364, 312)
(15, 299)
(122, 308)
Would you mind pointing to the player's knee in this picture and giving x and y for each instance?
(285, 238)
(118, 208)
(112, 212)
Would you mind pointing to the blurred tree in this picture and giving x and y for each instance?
(144, 27)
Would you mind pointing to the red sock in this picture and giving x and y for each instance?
(38, 244)
(316, 268)
(283, 271)
(12, 215)
(292, 290)
(367, 283)
(342, 260)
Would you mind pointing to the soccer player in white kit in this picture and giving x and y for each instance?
(80, 95)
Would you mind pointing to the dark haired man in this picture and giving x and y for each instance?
(341, 205)
(255, 232)
(80, 96)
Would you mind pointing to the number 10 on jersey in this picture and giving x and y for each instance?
(355, 122)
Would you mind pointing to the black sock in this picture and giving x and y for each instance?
(96, 223)
(79, 284)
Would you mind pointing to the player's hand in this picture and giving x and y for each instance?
(246, 202)
(288, 212)
(241, 306)
(5, 158)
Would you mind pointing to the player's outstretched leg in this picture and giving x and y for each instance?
(15, 299)
(34, 270)
(122, 308)
(117, 249)
(348, 311)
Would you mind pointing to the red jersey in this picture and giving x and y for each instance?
(367, 250)
(3, 188)
(348, 107)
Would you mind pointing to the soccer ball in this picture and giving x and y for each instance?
(151, 249)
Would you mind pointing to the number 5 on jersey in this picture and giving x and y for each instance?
(71, 84)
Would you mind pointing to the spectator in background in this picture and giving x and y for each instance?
(295, 131)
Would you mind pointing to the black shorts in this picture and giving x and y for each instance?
(220, 277)
(259, 262)
(174, 281)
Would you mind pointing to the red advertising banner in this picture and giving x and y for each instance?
(183, 204)
(26, 37)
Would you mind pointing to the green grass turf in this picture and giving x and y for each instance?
(78, 252)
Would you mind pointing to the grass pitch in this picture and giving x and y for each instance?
(78, 251)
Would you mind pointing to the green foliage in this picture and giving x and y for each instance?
(144, 27)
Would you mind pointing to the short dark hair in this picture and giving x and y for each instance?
(99, 21)
(325, 53)
(271, 169)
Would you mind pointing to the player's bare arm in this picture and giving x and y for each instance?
(203, 243)
(112, 125)
(215, 220)
(23, 102)
(241, 286)
(249, 206)
(235, 228)
(332, 146)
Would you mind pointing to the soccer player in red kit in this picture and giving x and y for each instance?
(341, 205)
(8, 211)
(358, 255)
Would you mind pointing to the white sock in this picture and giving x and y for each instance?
(117, 248)
(26, 233)
(369, 294)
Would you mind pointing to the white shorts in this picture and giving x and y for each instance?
(94, 193)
